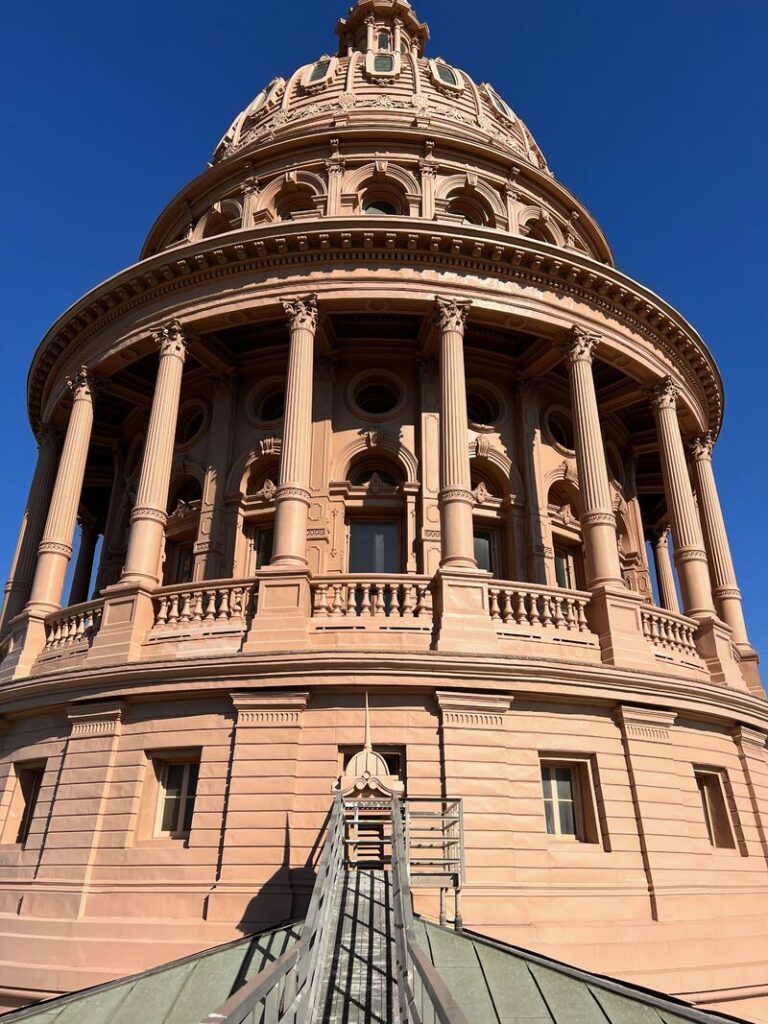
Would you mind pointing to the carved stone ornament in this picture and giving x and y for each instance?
(580, 344)
(481, 493)
(451, 314)
(171, 339)
(267, 491)
(373, 438)
(302, 313)
(482, 447)
(701, 447)
(271, 445)
(82, 384)
(664, 394)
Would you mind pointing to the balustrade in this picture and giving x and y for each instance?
(405, 597)
(209, 603)
(73, 627)
(539, 607)
(672, 632)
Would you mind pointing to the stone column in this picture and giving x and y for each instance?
(723, 576)
(56, 546)
(19, 585)
(292, 497)
(428, 169)
(537, 553)
(210, 540)
(690, 556)
(455, 497)
(665, 577)
(81, 579)
(149, 514)
(334, 166)
(598, 523)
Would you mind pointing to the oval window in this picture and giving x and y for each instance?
(447, 75)
(377, 397)
(561, 429)
(190, 424)
(482, 408)
(272, 406)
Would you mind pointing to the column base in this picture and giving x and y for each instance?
(283, 610)
(128, 616)
(26, 640)
(462, 613)
(614, 615)
(749, 670)
(715, 645)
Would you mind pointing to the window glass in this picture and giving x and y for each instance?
(272, 406)
(564, 568)
(263, 539)
(484, 550)
(30, 779)
(384, 40)
(178, 789)
(447, 74)
(384, 62)
(373, 546)
(559, 799)
(380, 206)
(319, 71)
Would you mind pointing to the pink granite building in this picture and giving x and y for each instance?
(376, 413)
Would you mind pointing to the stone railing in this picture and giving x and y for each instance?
(378, 598)
(74, 627)
(538, 608)
(672, 632)
(211, 602)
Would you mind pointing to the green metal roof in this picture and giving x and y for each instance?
(181, 992)
(494, 983)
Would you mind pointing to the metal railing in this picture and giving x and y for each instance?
(423, 997)
(286, 992)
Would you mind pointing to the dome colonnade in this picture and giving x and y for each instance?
(376, 412)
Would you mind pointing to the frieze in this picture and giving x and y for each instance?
(472, 710)
(269, 708)
(645, 723)
(95, 719)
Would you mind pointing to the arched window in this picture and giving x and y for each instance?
(566, 536)
(259, 512)
(294, 203)
(181, 531)
(386, 204)
(492, 535)
(375, 517)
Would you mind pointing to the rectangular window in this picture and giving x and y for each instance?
(374, 547)
(263, 537)
(176, 797)
(385, 41)
(26, 780)
(568, 567)
(384, 63)
(714, 808)
(179, 563)
(569, 799)
(486, 550)
(319, 71)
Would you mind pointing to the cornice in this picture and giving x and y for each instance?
(169, 275)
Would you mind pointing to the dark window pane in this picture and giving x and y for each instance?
(483, 554)
(174, 780)
(384, 40)
(383, 62)
(564, 784)
(447, 75)
(373, 547)
(549, 817)
(381, 206)
(262, 544)
(567, 820)
(319, 70)
(30, 781)
(562, 569)
(189, 803)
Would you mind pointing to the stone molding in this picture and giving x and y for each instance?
(748, 737)
(472, 710)
(269, 708)
(645, 723)
(95, 719)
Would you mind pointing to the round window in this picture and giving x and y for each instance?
(482, 407)
(271, 406)
(377, 398)
(561, 429)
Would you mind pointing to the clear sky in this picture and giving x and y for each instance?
(654, 113)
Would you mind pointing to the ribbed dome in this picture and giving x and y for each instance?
(381, 77)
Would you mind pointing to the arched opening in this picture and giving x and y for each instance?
(294, 204)
(259, 513)
(490, 532)
(375, 516)
(562, 507)
(383, 201)
(181, 531)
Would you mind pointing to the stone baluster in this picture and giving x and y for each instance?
(56, 546)
(723, 575)
(292, 497)
(690, 555)
(455, 498)
(19, 585)
(149, 514)
(81, 579)
(598, 522)
(665, 577)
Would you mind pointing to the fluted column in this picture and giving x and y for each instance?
(455, 496)
(292, 496)
(665, 577)
(19, 585)
(81, 578)
(149, 514)
(723, 575)
(690, 556)
(56, 546)
(598, 522)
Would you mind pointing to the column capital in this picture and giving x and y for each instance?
(701, 447)
(664, 394)
(659, 536)
(82, 385)
(580, 344)
(171, 339)
(302, 314)
(451, 314)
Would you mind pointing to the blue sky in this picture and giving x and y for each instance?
(653, 113)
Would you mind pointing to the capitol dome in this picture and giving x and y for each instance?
(377, 478)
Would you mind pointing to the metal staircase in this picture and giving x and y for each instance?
(357, 960)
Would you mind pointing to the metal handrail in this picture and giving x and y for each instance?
(423, 997)
(286, 991)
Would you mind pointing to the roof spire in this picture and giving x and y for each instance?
(369, 21)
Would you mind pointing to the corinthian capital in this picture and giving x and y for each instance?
(664, 395)
(701, 447)
(171, 339)
(301, 313)
(580, 345)
(82, 385)
(451, 314)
